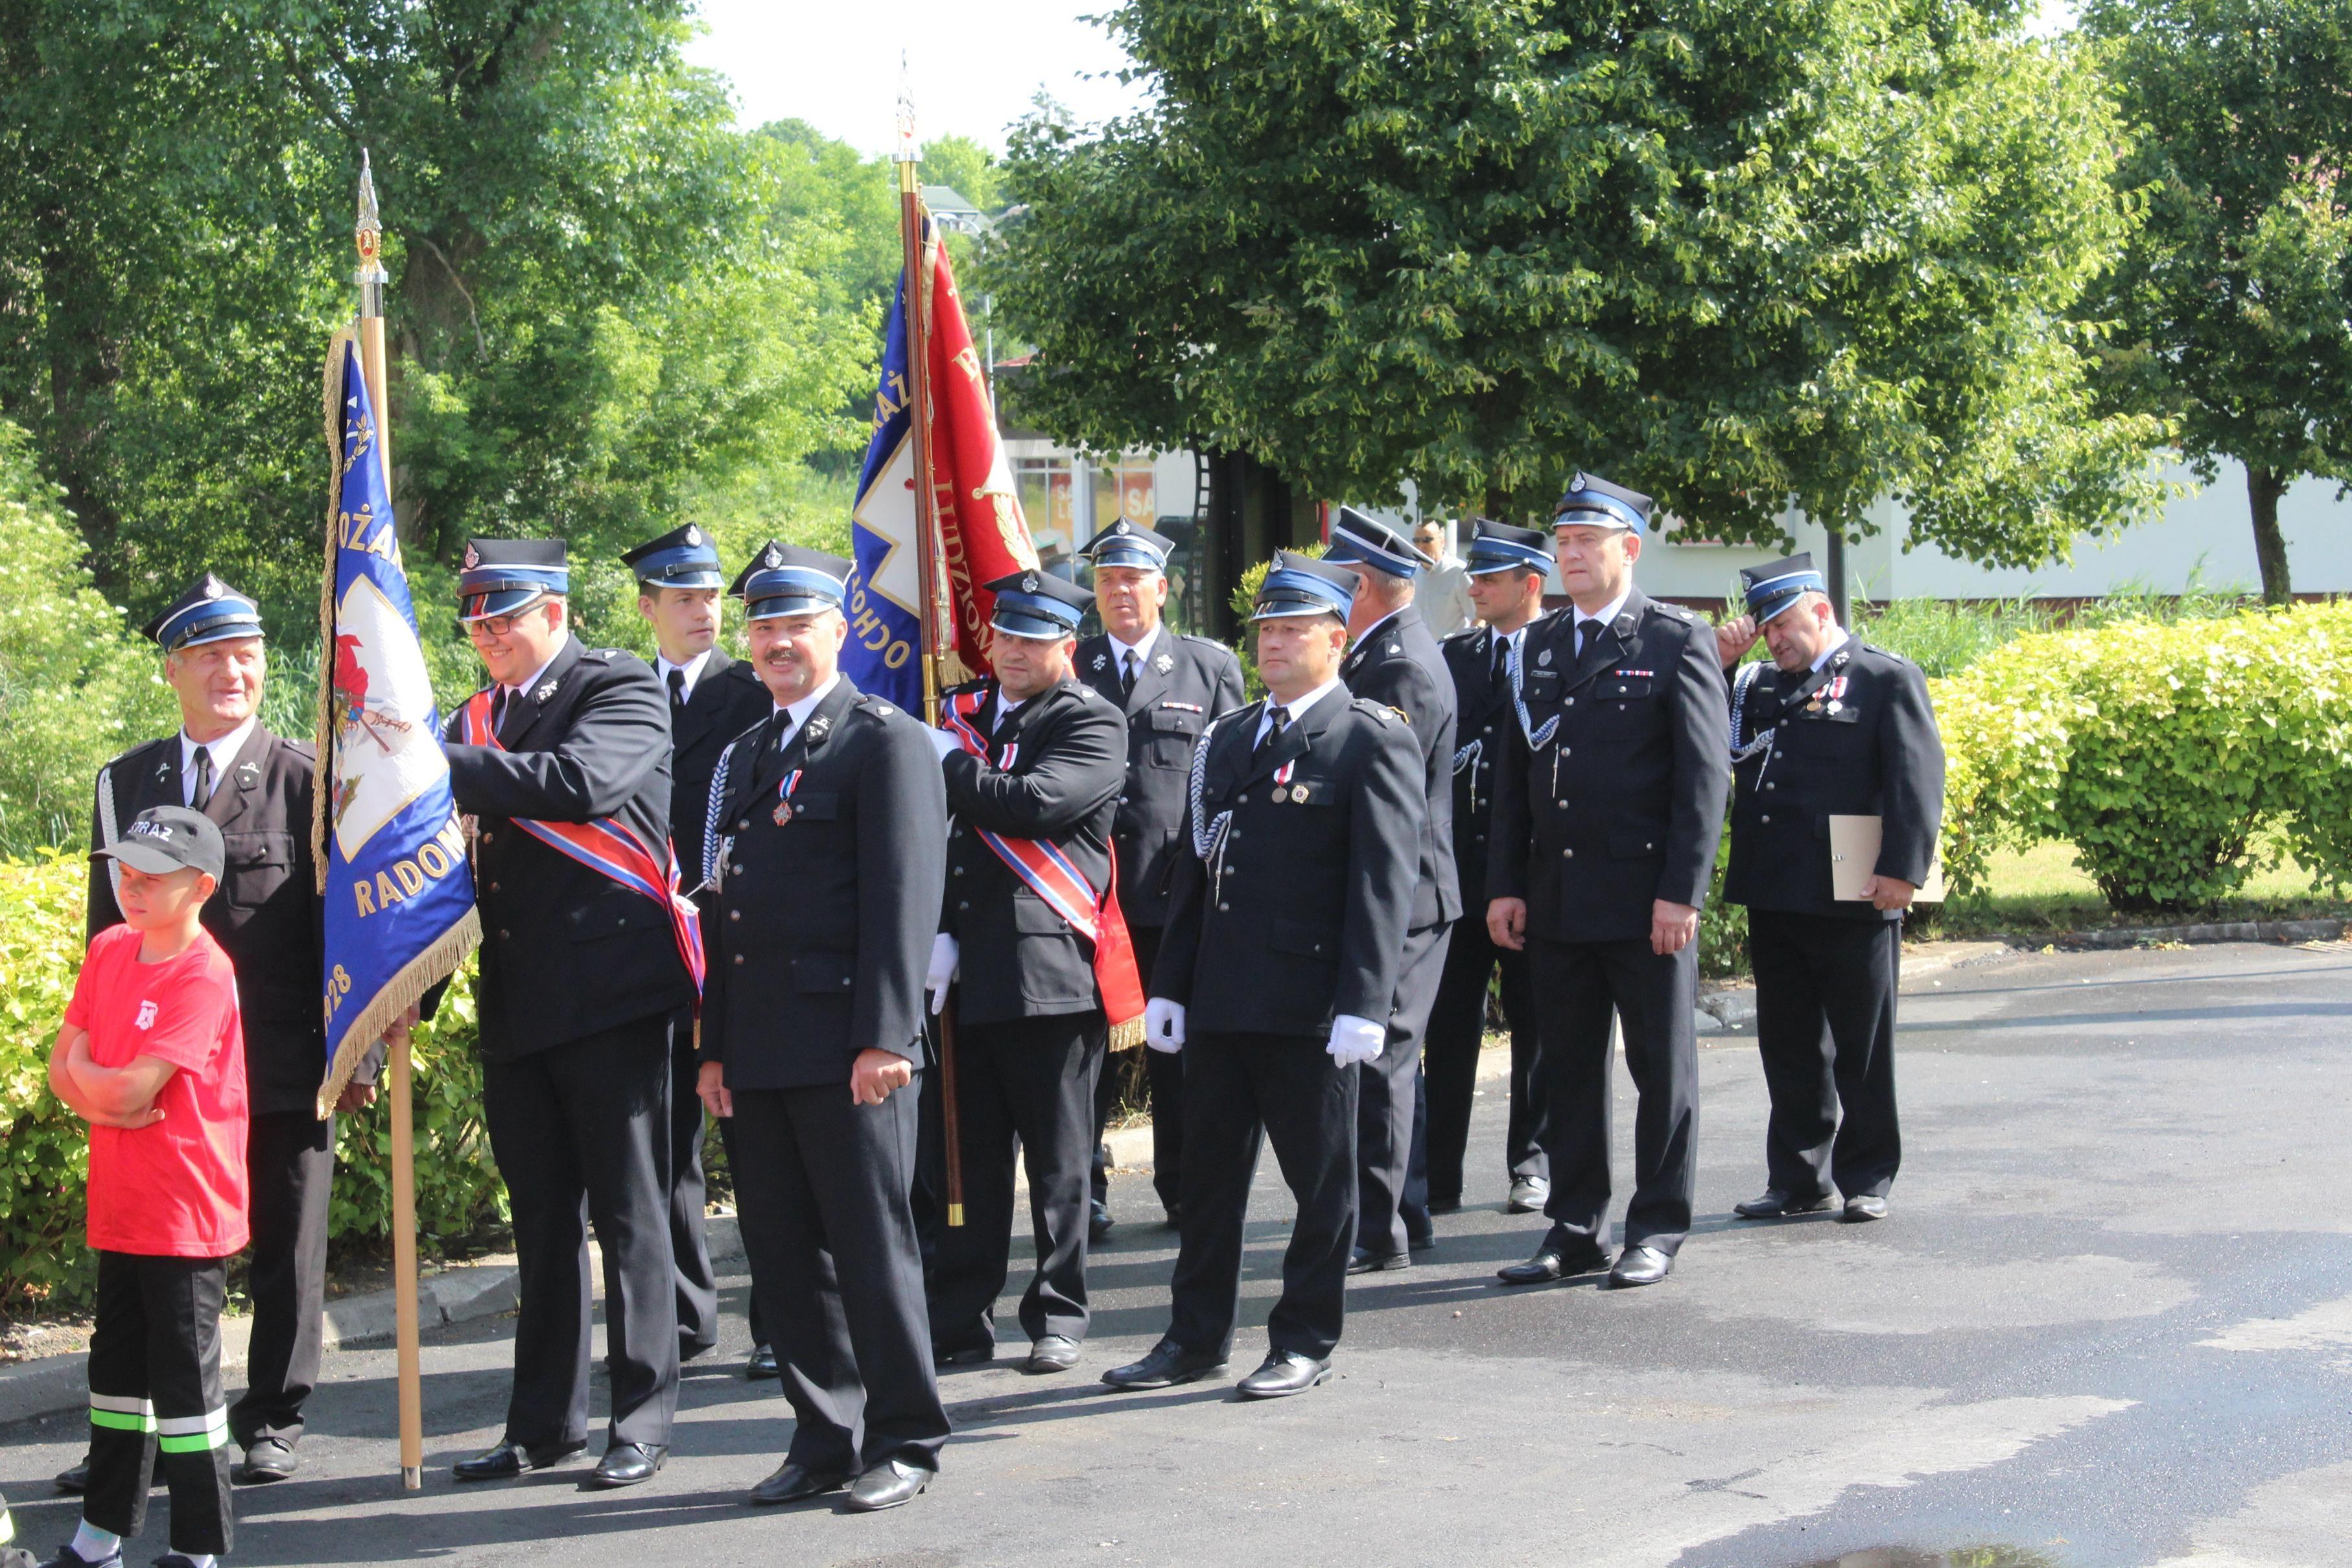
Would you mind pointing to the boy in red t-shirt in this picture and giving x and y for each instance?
(152, 1056)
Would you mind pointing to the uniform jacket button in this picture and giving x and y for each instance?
(494, 887)
(486, 835)
(1567, 854)
(502, 934)
(739, 958)
(1224, 907)
(734, 914)
(1767, 816)
(958, 871)
(745, 826)
(962, 905)
(1769, 785)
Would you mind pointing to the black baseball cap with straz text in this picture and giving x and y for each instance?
(165, 839)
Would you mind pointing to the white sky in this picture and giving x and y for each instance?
(974, 64)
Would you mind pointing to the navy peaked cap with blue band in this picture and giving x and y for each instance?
(788, 580)
(1129, 544)
(1036, 604)
(209, 611)
(502, 577)
(682, 557)
(1773, 589)
(1500, 546)
(1593, 502)
(1362, 541)
(1301, 585)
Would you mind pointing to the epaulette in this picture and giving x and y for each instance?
(1380, 711)
(307, 751)
(602, 655)
(1465, 632)
(869, 702)
(1674, 611)
(1204, 641)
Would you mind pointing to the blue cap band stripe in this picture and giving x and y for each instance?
(674, 562)
(1577, 501)
(185, 626)
(493, 578)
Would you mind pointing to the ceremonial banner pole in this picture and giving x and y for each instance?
(937, 621)
(391, 850)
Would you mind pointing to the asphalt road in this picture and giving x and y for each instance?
(2109, 1324)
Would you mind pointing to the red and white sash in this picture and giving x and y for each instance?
(1050, 874)
(608, 846)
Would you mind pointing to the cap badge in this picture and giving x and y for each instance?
(693, 533)
(473, 558)
(1029, 584)
(214, 588)
(773, 559)
(1120, 527)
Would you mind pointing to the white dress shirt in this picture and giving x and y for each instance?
(799, 712)
(1141, 651)
(1296, 709)
(223, 752)
(1606, 613)
(691, 670)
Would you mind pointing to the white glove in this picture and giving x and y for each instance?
(1163, 1024)
(1355, 1040)
(945, 957)
(943, 745)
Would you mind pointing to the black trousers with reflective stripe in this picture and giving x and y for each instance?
(155, 1378)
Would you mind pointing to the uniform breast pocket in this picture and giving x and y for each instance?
(1541, 685)
(822, 974)
(617, 913)
(816, 805)
(1623, 703)
(1172, 735)
(1032, 917)
(259, 865)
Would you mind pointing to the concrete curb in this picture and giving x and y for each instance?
(465, 1293)
(1734, 1007)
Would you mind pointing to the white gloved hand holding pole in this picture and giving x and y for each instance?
(944, 965)
(1355, 1040)
(1163, 1025)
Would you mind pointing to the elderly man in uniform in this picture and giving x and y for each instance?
(1396, 663)
(1835, 727)
(1506, 571)
(827, 861)
(1608, 810)
(1170, 688)
(583, 978)
(1284, 946)
(257, 786)
(1031, 1032)
(712, 698)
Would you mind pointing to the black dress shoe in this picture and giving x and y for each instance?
(1284, 1371)
(1776, 1205)
(1450, 1205)
(968, 1355)
(1168, 1365)
(1362, 1263)
(626, 1464)
(1553, 1262)
(1529, 1195)
(68, 1557)
(508, 1460)
(1641, 1266)
(762, 1363)
(1861, 1208)
(795, 1483)
(269, 1459)
(1098, 1223)
(893, 1483)
(1424, 1242)
(1055, 1353)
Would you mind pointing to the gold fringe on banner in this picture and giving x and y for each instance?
(400, 993)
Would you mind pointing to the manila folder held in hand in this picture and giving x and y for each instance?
(1854, 860)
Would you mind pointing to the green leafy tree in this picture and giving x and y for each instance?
(601, 308)
(1743, 253)
(2233, 294)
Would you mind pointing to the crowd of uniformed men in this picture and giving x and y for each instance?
(1320, 891)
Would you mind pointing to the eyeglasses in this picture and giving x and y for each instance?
(492, 626)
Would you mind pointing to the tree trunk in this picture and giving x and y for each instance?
(2263, 488)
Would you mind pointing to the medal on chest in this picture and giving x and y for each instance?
(1283, 788)
(783, 811)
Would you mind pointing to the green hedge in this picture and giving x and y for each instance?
(2158, 750)
(44, 1155)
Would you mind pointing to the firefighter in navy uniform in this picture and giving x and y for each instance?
(1396, 663)
(1170, 687)
(1833, 727)
(828, 856)
(1506, 569)
(1608, 810)
(1031, 1030)
(711, 699)
(257, 786)
(583, 978)
(1284, 944)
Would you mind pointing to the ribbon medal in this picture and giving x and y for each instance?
(783, 811)
(1282, 787)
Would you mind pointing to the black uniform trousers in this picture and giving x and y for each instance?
(1826, 990)
(1163, 1073)
(823, 1187)
(1032, 1081)
(1577, 985)
(1457, 1031)
(154, 1379)
(581, 1133)
(751, 1305)
(1391, 1207)
(698, 1284)
(1242, 1090)
(290, 1159)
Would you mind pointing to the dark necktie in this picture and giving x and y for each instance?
(1586, 631)
(1127, 674)
(1502, 671)
(203, 795)
(1278, 720)
(676, 688)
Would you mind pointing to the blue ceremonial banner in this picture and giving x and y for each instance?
(399, 890)
(885, 598)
